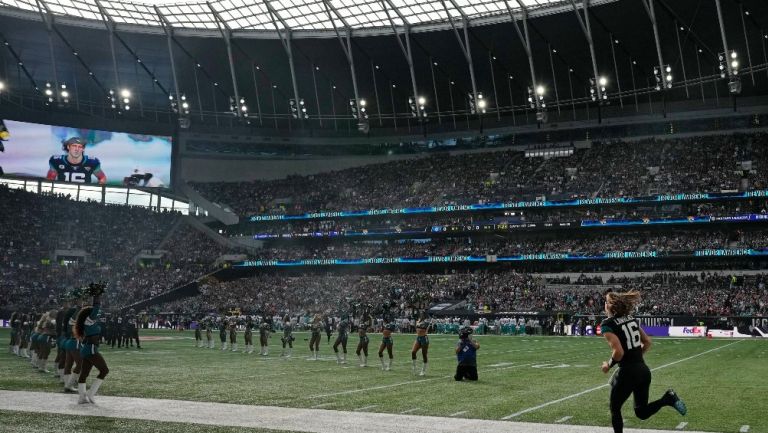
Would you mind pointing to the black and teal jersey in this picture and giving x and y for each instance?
(92, 324)
(628, 331)
(81, 173)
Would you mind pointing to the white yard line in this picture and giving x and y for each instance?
(415, 409)
(392, 385)
(364, 408)
(744, 429)
(458, 413)
(681, 426)
(579, 394)
(563, 419)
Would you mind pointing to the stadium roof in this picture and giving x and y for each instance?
(316, 17)
(74, 48)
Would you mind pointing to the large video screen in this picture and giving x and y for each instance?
(86, 155)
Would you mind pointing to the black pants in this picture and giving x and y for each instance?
(468, 372)
(632, 379)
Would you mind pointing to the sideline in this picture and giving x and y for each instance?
(276, 418)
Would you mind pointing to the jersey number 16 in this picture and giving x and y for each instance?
(632, 332)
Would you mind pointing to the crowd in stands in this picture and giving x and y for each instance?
(695, 164)
(425, 223)
(34, 227)
(502, 246)
(506, 292)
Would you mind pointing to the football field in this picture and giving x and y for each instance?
(550, 380)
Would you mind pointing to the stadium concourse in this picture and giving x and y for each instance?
(278, 418)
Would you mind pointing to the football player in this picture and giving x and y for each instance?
(75, 165)
(628, 343)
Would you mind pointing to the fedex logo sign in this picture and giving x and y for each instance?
(687, 331)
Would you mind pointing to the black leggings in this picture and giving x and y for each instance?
(632, 379)
(93, 361)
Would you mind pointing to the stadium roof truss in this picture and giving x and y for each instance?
(305, 18)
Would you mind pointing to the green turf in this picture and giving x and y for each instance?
(724, 389)
(17, 422)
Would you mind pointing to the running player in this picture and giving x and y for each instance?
(343, 329)
(386, 342)
(287, 338)
(628, 343)
(422, 342)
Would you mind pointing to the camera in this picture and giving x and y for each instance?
(465, 332)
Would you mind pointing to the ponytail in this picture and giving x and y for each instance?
(79, 329)
(622, 304)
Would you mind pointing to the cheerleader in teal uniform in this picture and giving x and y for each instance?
(88, 331)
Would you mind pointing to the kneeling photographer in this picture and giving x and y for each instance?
(466, 354)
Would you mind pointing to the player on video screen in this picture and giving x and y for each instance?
(75, 165)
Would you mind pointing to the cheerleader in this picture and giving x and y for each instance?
(264, 329)
(198, 335)
(287, 338)
(72, 361)
(422, 342)
(233, 333)
(386, 343)
(61, 355)
(209, 333)
(314, 342)
(248, 336)
(362, 345)
(223, 333)
(33, 342)
(24, 336)
(15, 333)
(46, 338)
(88, 331)
(341, 338)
